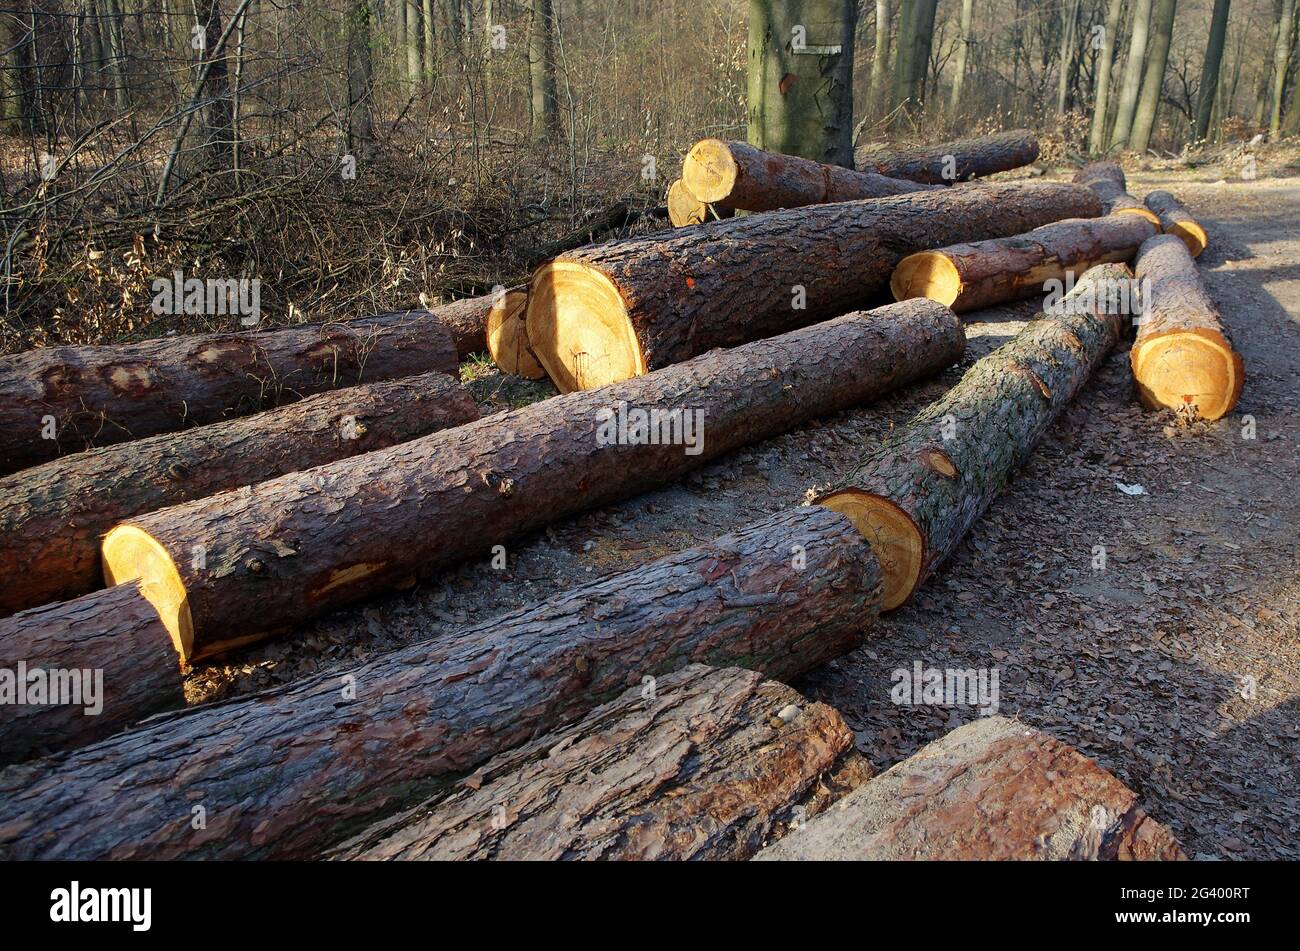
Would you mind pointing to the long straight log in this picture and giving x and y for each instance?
(1107, 180)
(507, 337)
(283, 550)
(467, 321)
(299, 768)
(917, 494)
(1182, 358)
(993, 790)
(53, 517)
(741, 176)
(624, 308)
(66, 399)
(110, 653)
(984, 273)
(958, 161)
(684, 209)
(651, 775)
(1178, 221)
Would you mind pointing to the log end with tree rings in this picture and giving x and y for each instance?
(894, 538)
(1193, 370)
(579, 327)
(130, 554)
(710, 170)
(1175, 219)
(1138, 210)
(926, 274)
(507, 336)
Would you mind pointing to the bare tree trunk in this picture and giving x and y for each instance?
(1162, 34)
(1101, 105)
(430, 49)
(16, 37)
(1281, 58)
(1069, 42)
(1211, 68)
(116, 52)
(963, 47)
(1264, 84)
(878, 94)
(361, 70)
(218, 117)
(411, 39)
(541, 71)
(915, 34)
(1132, 83)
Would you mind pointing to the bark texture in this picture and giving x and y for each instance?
(995, 790)
(625, 307)
(742, 176)
(281, 551)
(97, 396)
(918, 494)
(957, 161)
(303, 767)
(467, 321)
(1106, 179)
(53, 517)
(115, 631)
(1178, 221)
(970, 276)
(702, 768)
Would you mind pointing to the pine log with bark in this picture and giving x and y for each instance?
(1182, 358)
(709, 765)
(467, 321)
(624, 308)
(507, 337)
(284, 550)
(742, 176)
(1107, 180)
(53, 517)
(918, 493)
(684, 209)
(97, 396)
(115, 632)
(957, 161)
(1175, 219)
(994, 789)
(305, 766)
(971, 276)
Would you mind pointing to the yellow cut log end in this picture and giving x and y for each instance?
(1141, 212)
(1188, 369)
(507, 336)
(130, 554)
(710, 170)
(926, 274)
(893, 536)
(1191, 234)
(684, 209)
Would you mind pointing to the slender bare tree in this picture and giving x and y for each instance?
(1211, 68)
(1132, 81)
(1105, 61)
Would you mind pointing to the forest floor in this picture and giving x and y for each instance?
(1177, 665)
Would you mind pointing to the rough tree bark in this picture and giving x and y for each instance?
(623, 308)
(1131, 83)
(302, 767)
(1107, 181)
(1105, 62)
(292, 547)
(1148, 107)
(920, 491)
(970, 276)
(1211, 68)
(955, 161)
(994, 789)
(1182, 358)
(1178, 221)
(53, 517)
(702, 768)
(740, 176)
(218, 116)
(115, 632)
(65, 399)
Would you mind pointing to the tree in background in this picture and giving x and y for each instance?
(1162, 33)
(1068, 59)
(1281, 59)
(878, 94)
(1132, 81)
(964, 41)
(360, 67)
(1105, 60)
(1211, 68)
(541, 71)
(915, 37)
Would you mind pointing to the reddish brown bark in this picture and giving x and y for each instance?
(1106, 179)
(957, 161)
(1178, 221)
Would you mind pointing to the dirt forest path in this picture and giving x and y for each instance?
(1177, 665)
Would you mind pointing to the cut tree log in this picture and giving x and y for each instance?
(467, 321)
(618, 215)
(507, 337)
(623, 308)
(106, 652)
(971, 276)
(994, 789)
(53, 517)
(707, 765)
(742, 176)
(1107, 180)
(684, 209)
(957, 161)
(1182, 358)
(87, 396)
(279, 552)
(303, 767)
(1178, 221)
(918, 493)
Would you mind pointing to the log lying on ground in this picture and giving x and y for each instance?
(704, 768)
(916, 495)
(957, 161)
(1178, 221)
(684, 209)
(53, 517)
(507, 337)
(286, 549)
(302, 767)
(466, 319)
(110, 652)
(1182, 359)
(741, 176)
(994, 789)
(89, 396)
(1106, 179)
(620, 309)
(972, 276)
